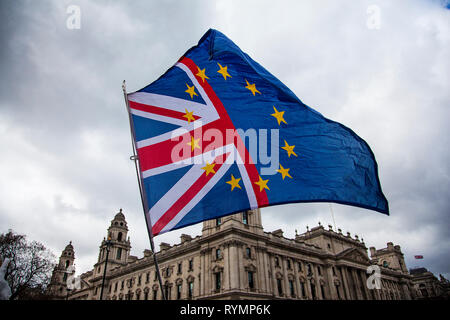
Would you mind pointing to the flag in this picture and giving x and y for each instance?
(218, 134)
(418, 257)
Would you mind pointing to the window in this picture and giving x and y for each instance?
(65, 277)
(217, 254)
(245, 217)
(190, 289)
(339, 294)
(251, 282)
(67, 263)
(155, 294)
(178, 291)
(122, 284)
(329, 246)
(277, 262)
(146, 295)
(115, 286)
(191, 264)
(147, 277)
(218, 222)
(309, 269)
(300, 267)
(291, 288)
(179, 267)
(119, 236)
(385, 264)
(156, 276)
(138, 296)
(167, 291)
(248, 252)
(334, 271)
(119, 254)
(289, 264)
(323, 291)
(139, 280)
(217, 278)
(302, 286)
(319, 271)
(280, 287)
(313, 291)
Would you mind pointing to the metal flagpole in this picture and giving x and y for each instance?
(135, 158)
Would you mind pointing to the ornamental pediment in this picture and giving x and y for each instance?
(353, 255)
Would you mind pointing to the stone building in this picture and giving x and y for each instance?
(234, 258)
(61, 273)
(427, 286)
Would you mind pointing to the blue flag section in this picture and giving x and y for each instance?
(218, 134)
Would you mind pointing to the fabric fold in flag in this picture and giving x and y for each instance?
(218, 134)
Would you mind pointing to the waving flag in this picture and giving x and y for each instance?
(218, 134)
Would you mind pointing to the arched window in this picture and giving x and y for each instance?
(119, 236)
(67, 263)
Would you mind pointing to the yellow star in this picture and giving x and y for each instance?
(194, 143)
(262, 184)
(189, 116)
(289, 149)
(209, 168)
(278, 115)
(191, 91)
(223, 71)
(201, 74)
(234, 182)
(252, 87)
(284, 172)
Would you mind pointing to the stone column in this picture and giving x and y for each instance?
(297, 280)
(274, 279)
(202, 273)
(266, 271)
(364, 284)
(207, 273)
(261, 272)
(226, 267)
(357, 285)
(287, 292)
(346, 283)
(234, 268)
(331, 287)
(242, 280)
(317, 284)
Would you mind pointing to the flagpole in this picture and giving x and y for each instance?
(135, 158)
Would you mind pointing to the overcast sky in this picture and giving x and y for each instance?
(379, 67)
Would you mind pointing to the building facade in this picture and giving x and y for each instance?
(235, 258)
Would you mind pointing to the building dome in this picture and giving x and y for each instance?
(69, 247)
(119, 215)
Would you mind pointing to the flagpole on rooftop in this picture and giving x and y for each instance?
(135, 158)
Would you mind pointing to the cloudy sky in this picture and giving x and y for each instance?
(379, 67)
